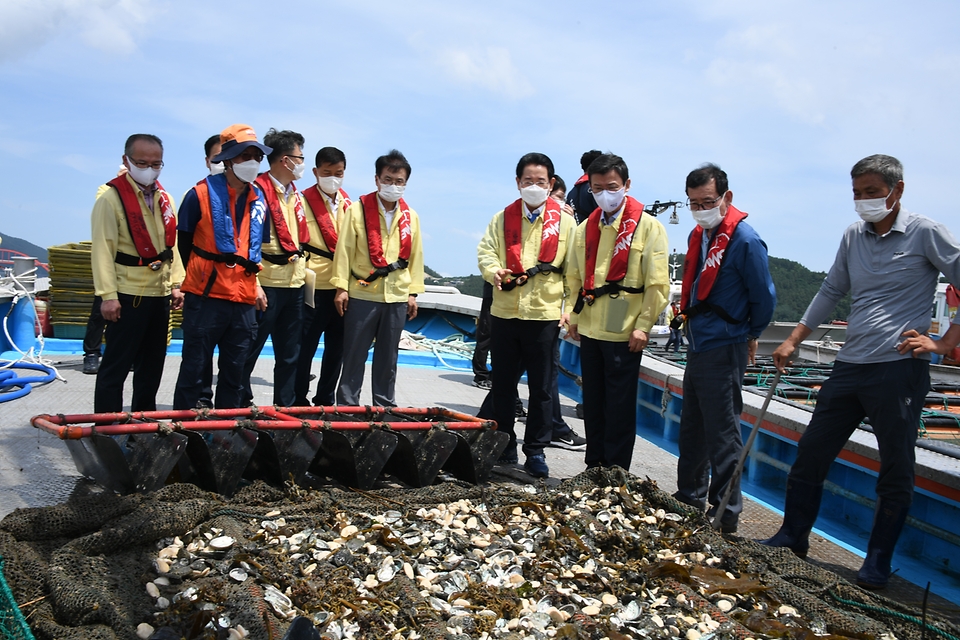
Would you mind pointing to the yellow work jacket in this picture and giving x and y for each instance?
(291, 274)
(614, 319)
(323, 267)
(352, 257)
(111, 234)
(541, 298)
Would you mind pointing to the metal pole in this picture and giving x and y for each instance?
(735, 479)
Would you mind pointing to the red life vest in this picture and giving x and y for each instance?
(279, 222)
(136, 223)
(206, 277)
(711, 266)
(629, 219)
(371, 221)
(324, 216)
(549, 236)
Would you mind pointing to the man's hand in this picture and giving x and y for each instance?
(176, 299)
(638, 340)
(920, 343)
(499, 277)
(340, 301)
(752, 351)
(411, 307)
(261, 302)
(573, 333)
(782, 354)
(567, 209)
(564, 320)
(110, 310)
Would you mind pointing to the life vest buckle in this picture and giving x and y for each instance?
(589, 299)
(155, 265)
(293, 258)
(520, 280)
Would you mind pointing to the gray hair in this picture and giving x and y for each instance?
(887, 167)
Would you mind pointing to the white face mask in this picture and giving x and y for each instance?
(146, 176)
(709, 218)
(246, 171)
(298, 169)
(391, 192)
(330, 185)
(610, 201)
(534, 196)
(216, 168)
(873, 209)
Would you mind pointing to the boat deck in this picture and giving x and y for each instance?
(36, 469)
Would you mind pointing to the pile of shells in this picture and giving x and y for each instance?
(595, 563)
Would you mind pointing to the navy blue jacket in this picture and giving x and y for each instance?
(582, 201)
(743, 288)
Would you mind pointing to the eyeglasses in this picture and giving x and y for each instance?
(706, 204)
(300, 158)
(388, 180)
(543, 184)
(251, 154)
(143, 164)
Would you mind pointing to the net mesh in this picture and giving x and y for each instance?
(81, 569)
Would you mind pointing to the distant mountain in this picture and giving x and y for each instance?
(23, 246)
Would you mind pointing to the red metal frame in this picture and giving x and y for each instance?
(83, 425)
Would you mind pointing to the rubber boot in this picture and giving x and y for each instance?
(888, 522)
(799, 513)
(302, 629)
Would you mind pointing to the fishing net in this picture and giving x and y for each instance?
(605, 554)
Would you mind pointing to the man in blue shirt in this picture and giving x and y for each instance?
(890, 262)
(727, 301)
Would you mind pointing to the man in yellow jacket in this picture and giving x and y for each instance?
(325, 205)
(137, 272)
(619, 268)
(523, 255)
(378, 272)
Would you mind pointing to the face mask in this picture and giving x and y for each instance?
(216, 168)
(391, 192)
(610, 201)
(246, 171)
(709, 218)
(298, 170)
(872, 210)
(330, 184)
(146, 177)
(534, 196)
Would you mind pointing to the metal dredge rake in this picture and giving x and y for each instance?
(217, 448)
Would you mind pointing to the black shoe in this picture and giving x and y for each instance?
(509, 456)
(570, 441)
(483, 383)
(536, 465)
(204, 403)
(799, 513)
(302, 629)
(728, 526)
(91, 363)
(888, 521)
(520, 412)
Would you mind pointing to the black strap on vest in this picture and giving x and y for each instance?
(154, 263)
(701, 308)
(282, 258)
(521, 279)
(611, 289)
(229, 259)
(382, 272)
(316, 251)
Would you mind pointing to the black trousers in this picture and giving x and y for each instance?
(138, 338)
(321, 319)
(210, 323)
(527, 344)
(281, 322)
(93, 338)
(891, 394)
(610, 376)
(482, 348)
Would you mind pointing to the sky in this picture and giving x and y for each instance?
(784, 96)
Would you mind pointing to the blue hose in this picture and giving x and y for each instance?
(13, 386)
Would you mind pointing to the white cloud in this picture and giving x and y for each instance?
(111, 26)
(82, 163)
(491, 68)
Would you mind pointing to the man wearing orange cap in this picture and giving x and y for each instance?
(221, 230)
(136, 272)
